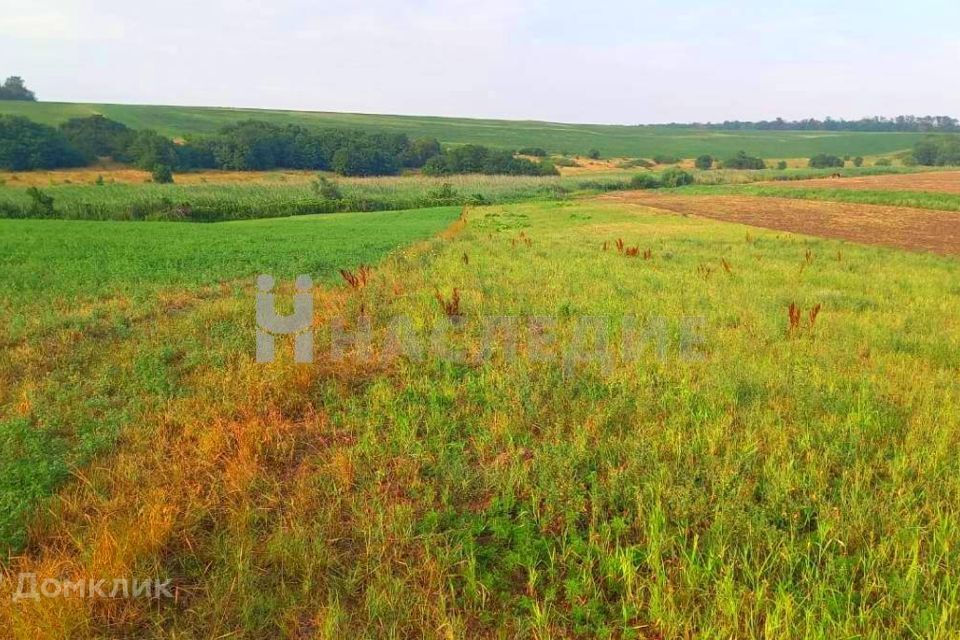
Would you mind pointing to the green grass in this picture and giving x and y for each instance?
(555, 137)
(80, 301)
(273, 197)
(783, 484)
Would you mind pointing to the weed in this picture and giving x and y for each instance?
(451, 306)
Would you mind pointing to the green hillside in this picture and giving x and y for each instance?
(610, 140)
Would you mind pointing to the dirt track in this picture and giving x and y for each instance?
(935, 181)
(902, 227)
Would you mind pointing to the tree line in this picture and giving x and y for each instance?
(249, 145)
(912, 124)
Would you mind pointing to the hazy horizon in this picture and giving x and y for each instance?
(636, 63)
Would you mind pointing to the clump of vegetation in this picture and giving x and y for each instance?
(704, 162)
(593, 154)
(676, 177)
(825, 161)
(41, 204)
(472, 158)
(663, 158)
(781, 165)
(564, 161)
(937, 151)
(744, 161)
(14, 88)
(634, 163)
(326, 188)
(645, 181)
(162, 174)
(858, 161)
(536, 152)
(883, 162)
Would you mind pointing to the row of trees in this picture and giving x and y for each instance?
(937, 151)
(876, 123)
(247, 145)
(472, 158)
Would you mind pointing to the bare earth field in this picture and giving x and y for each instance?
(902, 227)
(937, 181)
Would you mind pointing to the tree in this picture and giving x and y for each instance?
(858, 161)
(704, 162)
(162, 174)
(743, 161)
(675, 177)
(15, 89)
(26, 145)
(96, 136)
(825, 161)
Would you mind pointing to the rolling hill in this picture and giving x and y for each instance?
(610, 140)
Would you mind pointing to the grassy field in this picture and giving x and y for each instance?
(79, 302)
(610, 140)
(747, 480)
(230, 196)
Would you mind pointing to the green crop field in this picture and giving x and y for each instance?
(73, 295)
(610, 140)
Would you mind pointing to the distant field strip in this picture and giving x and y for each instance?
(907, 228)
(932, 181)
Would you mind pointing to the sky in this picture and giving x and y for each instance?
(626, 62)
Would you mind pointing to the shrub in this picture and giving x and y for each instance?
(645, 181)
(883, 162)
(825, 161)
(703, 162)
(162, 174)
(743, 161)
(41, 205)
(665, 159)
(858, 161)
(326, 189)
(675, 178)
(536, 152)
(593, 154)
(563, 161)
(782, 165)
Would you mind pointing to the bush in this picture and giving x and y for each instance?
(825, 161)
(41, 205)
(743, 161)
(593, 154)
(645, 181)
(782, 165)
(675, 178)
(326, 189)
(536, 152)
(858, 161)
(703, 162)
(162, 174)
(563, 161)
(883, 162)
(665, 159)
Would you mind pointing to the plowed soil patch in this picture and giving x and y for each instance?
(903, 227)
(935, 181)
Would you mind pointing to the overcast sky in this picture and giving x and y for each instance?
(608, 61)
